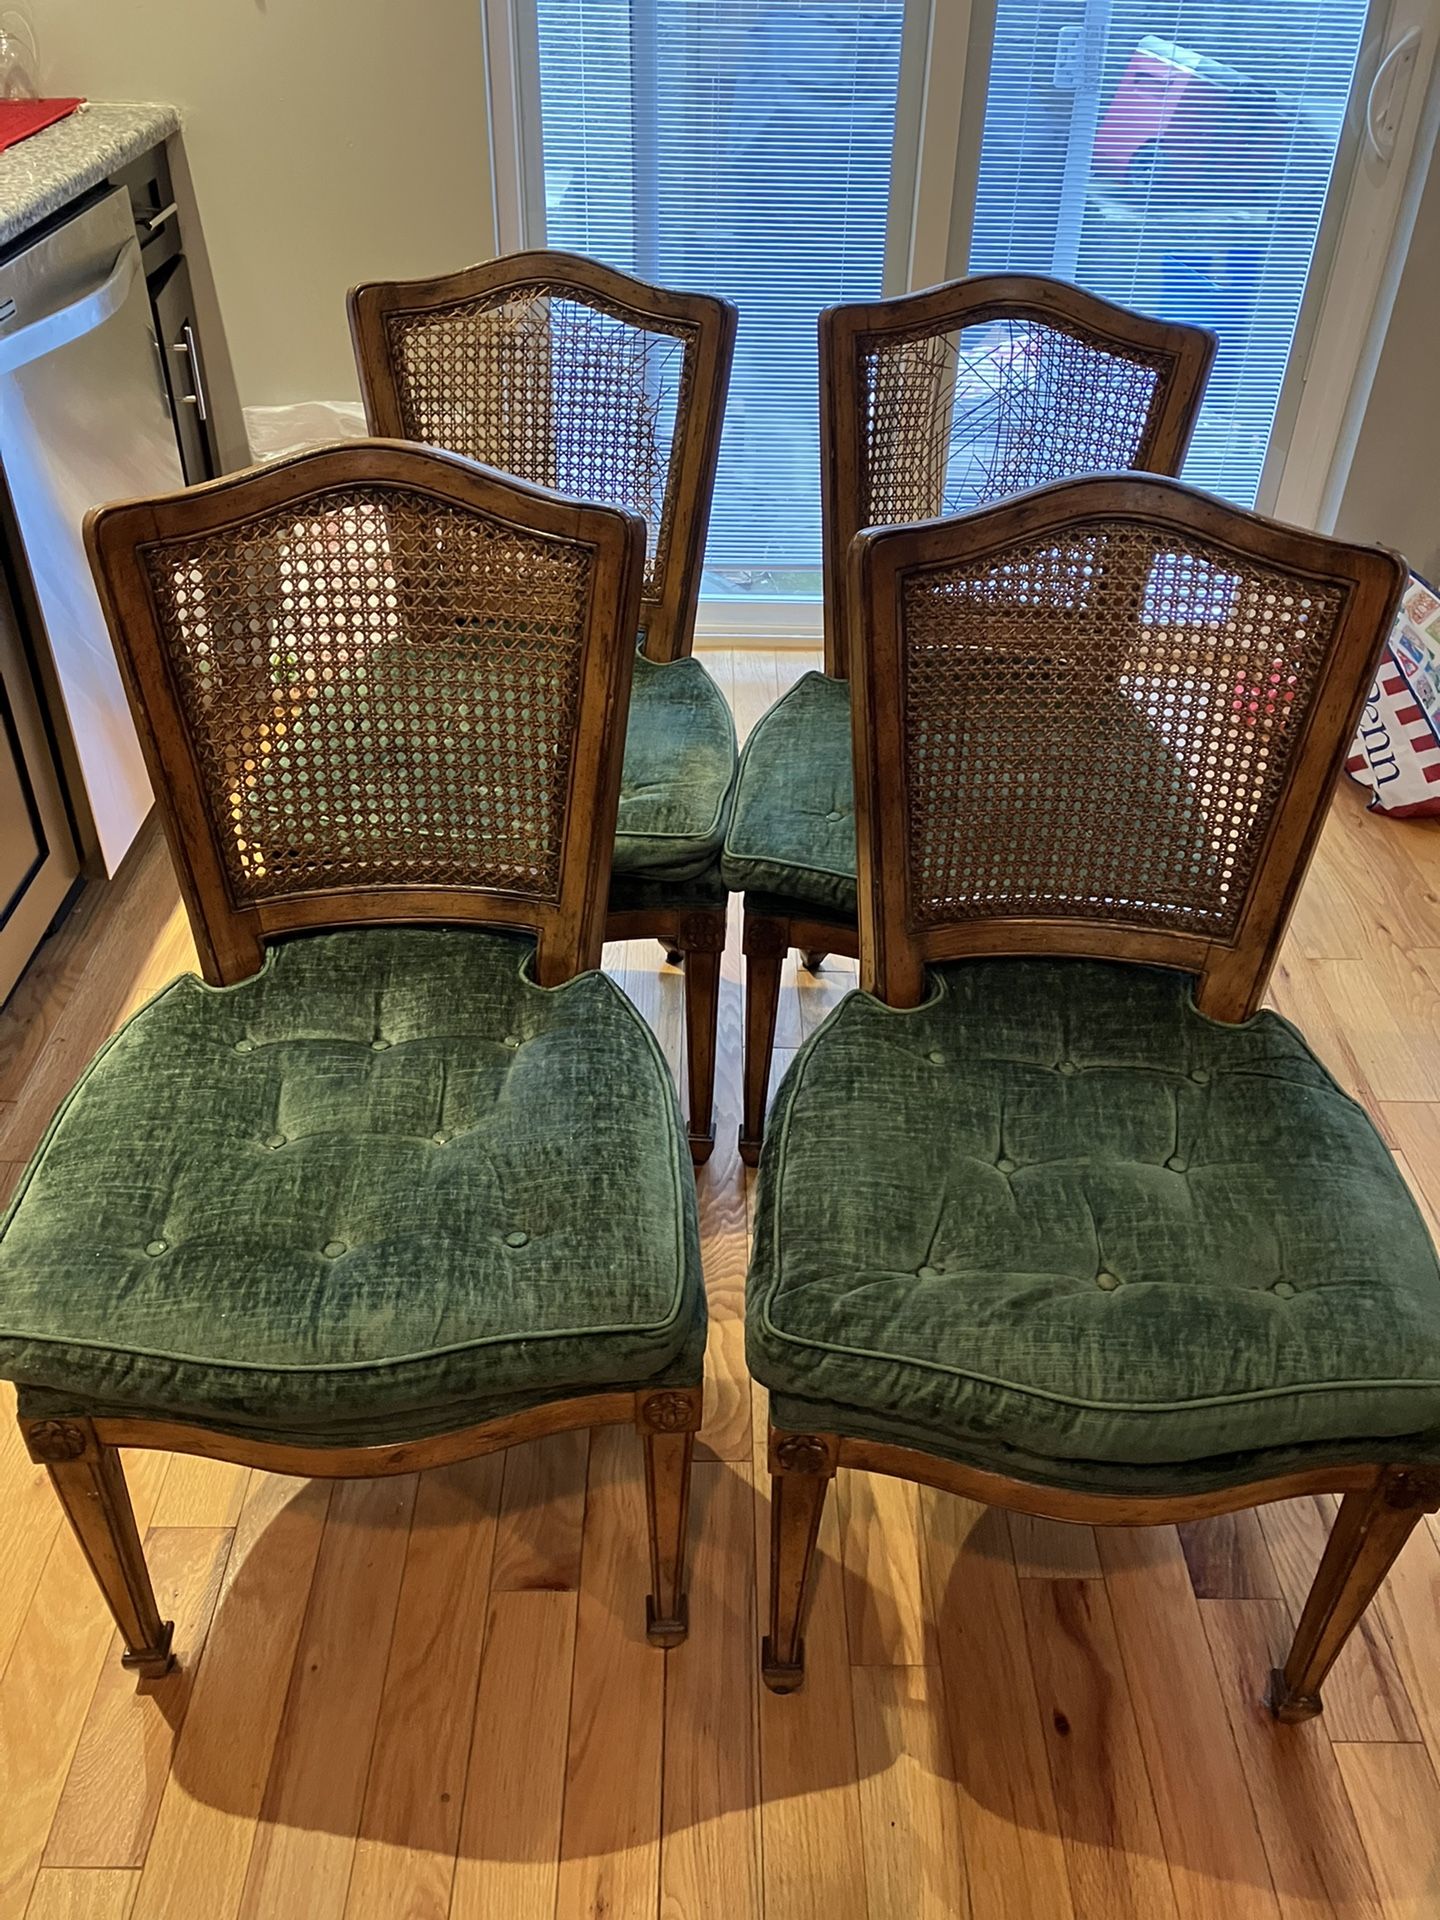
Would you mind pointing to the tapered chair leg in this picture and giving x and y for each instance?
(702, 1019)
(765, 948)
(1369, 1531)
(91, 1484)
(668, 1419)
(813, 959)
(802, 1466)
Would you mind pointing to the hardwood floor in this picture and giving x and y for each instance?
(415, 1698)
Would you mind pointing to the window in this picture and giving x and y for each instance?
(1173, 155)
(742, 147)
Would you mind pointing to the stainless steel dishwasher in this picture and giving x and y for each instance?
(84, 418)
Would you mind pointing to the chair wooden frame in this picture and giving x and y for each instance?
(1382, 1500)
(81, 1450)
(703, 321)
(706, 324)
(1182, 357)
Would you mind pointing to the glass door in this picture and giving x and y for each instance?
(1177, 156)
(744, 147)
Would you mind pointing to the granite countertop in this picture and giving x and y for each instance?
(40, 175)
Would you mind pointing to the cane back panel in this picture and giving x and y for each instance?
(1105, 697)
(574, 377)
(380, 684)
(944, 401)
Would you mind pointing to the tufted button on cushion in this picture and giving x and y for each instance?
(359, 1278)
(678, 772)
(1097, 1310)
(792, 832)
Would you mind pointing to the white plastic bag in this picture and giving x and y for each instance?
(276, 431)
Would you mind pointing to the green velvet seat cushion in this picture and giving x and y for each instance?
(792, 829)
(1055, 1214)
(386, 1183)
(679, 768)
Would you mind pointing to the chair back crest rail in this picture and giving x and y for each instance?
(378, 683)
(571, 375)
(964, 394)
(1102, 719)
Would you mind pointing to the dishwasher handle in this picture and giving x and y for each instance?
(74, 321)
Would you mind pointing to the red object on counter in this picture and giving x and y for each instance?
(20, 118)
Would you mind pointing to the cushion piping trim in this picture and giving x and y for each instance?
(1247, 1396)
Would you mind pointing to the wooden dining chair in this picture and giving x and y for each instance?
(569, 374)
(402, 1181)
(933, 403)
(1051, 1213)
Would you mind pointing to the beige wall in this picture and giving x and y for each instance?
(1392, 492)
(327, 141)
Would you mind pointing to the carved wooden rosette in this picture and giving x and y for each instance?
(700, 932)
(1409, 1487)
(803, 1453)
(765, 937)
(53, 1442)
(676, 1410)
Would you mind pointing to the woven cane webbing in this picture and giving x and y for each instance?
(1099, 725)
(959, 419)
(379, 690)
(546, 382)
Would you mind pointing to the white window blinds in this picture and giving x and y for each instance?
(742, 147)
(1173, 155)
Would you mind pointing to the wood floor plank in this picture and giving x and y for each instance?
(1317, 1861)
(725, 1434)
(1414, 1126)
(134, 954)
(812, 1855)
(46, 1690)
(1365, 1698)
(1108, 1822)
(610, 1838)
(33, 1518)
(509, 1858)
(1396, 1798)
(410, 1823)
(1052, 1549)
(1297, 989)
(818, 994)
(201, 1493)
(305, 1837)
(1407, 1612)
(1380, 1003)
(909, 1814)
(1228, 1558)
(723, 1240)
(542, 1514)
(1208, 1828)
(112, 1793)
(40, 995)
(83, 1893)
(710, 1837)
(887, 1607)
(205, 1829)
(1009, 1821)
